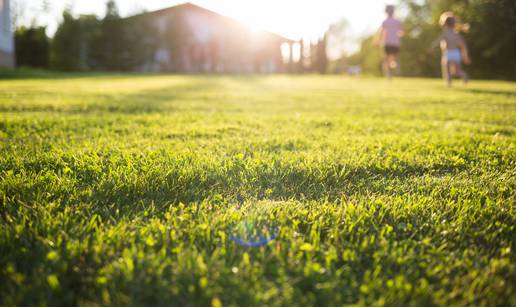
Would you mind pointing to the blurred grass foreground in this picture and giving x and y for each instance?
(139, 190)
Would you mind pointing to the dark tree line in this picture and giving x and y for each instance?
(32, 47)
(111, 43)
(87, 43)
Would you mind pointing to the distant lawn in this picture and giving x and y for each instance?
(148, 190)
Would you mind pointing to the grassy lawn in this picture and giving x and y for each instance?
(150, 190)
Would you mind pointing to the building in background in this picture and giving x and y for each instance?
(191, 39)
(182, 39)
(6, 36)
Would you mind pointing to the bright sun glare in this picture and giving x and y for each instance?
(307, 19)
(293, 19)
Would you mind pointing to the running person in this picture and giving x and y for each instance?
(389, 36)
(454, 49)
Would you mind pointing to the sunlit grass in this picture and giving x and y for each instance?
(130, 189)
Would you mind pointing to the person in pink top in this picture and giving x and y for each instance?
(389, 36)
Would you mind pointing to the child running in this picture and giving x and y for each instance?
(389, 36)
(454, 49)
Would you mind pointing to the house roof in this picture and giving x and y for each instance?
(193, 7)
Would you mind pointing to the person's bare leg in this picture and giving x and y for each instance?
(391, 65)
(451, 71)
(396, 59)
(386, 67)
(445, 70)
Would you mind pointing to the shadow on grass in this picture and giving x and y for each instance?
(42, 74)
(200, 182)
(187, 182)
(163, 99)
(25, 73)
(511, 94)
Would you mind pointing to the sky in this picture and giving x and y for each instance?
(293, 19)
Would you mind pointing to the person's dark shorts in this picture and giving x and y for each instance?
(392, 50)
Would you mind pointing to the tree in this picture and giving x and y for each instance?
(111, 10)
(113, 43)
(32, 47)
(73, 46)
(22, 13)
(369, 57)
(65, 54)
(491, 39)
(301, 64)
(140, 41)
(421, 30)
(321, 57)
(110, 46)
(338, 38)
